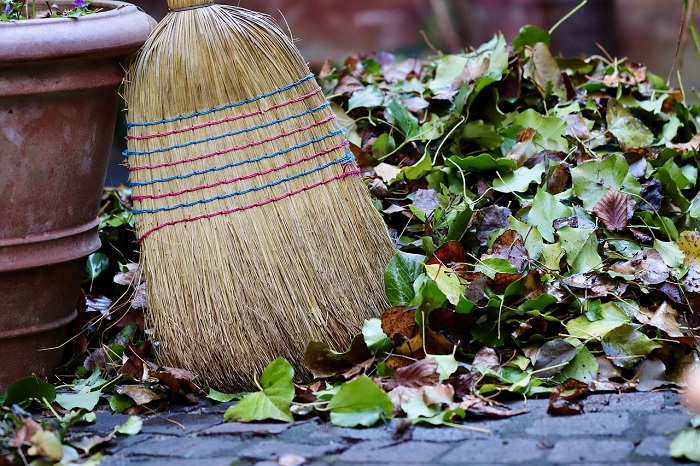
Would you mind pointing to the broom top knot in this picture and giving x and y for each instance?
(187, 4)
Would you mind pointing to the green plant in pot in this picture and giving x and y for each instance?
(60, 71)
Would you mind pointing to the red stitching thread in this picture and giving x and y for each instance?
(241, 178)
(233, 149)
(250, 206)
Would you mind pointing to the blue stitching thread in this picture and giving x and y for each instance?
(128, 153)
(240, 162)
(216, 109)
(347, 158)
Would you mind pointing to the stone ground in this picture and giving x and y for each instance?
(633, 428)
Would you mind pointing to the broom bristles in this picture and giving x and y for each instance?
(257, 233)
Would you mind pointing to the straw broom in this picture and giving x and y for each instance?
(257, 234)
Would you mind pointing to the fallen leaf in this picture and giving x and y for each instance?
(418, 374)
(552, 357)
(399, 323)
(386, 172)
(689, 243)
(46, 443)
(615, 209)
(324, 362)
(487, 408)
(562, 398)
(140, 394)
(426, 200)
(178, 380)
(592, 282)
(647, 266)
(489, 219)
(651, 374)
(664, 317)
(273, 401)
(511, 247)
(290, 459)
(450, 253)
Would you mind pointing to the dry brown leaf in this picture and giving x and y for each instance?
(592, 282)
(689, 243)
(450, 253)
(438, 394)
(647, 266)
(399, 323)
(178, 380)
(511, 247)
(615, 209)
(140, 394)
(562, 398)
(418, 374)
(665, 318)
(487, 357)
(400, 395)
(489, 409)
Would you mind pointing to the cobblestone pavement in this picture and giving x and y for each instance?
(633, 428)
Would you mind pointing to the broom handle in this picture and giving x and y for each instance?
(175, 5)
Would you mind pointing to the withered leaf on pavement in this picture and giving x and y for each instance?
(140, 394)
(135, 361)
(615, 209)
(562, 400)
(178, 380)
(418, 374)
(487, 408)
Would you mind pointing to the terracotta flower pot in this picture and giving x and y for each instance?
(59, 81)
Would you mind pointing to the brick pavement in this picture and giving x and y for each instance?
(633, 428)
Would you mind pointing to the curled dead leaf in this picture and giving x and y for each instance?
(418, 374)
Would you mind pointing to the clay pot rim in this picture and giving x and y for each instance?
(118, 30)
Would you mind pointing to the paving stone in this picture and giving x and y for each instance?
(105, 423)
(274, 449)
(372, 433)
(170, 462)
(588, 424)
(173, 424)
(186, 448)
(647, 401)
(496, 451)
(451, 434)
(590, 450)
(655, 446)
(385, 452)
(667, 422)
(233, 428)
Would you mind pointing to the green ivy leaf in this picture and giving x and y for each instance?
(360, 402)
(545, 209)
(629, 131)
(493, 265)
(96, 264)
(85, 399)
(626, 346)
(403, 269)
(375, 338)
(581, 246)
(529, 36)
(687, 445)
(132, 426)
(592, 180)
(273, 401)
(398, 114)
(519, 180)
(482, 134)
(447, 281)
(23, 391)
(611, 315)
(369, 97)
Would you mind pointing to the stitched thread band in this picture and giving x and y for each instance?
(250, 206)
(235, 148)
(129, 153)
(225, 120)
(193, 7)
(344, 160)
(241, 178)
(235, 164)
(224, 107)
